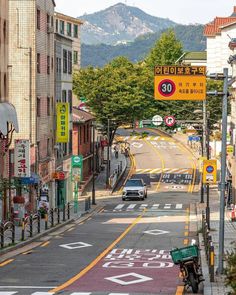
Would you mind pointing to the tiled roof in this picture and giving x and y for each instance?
(195, 55)
(81, 116)
(214, 28)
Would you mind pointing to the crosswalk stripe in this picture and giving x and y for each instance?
(7, 293)
(167, 206)
(179, 206)
(130, 207)
(155, 206)
(119, 207)
(143, 206)
(81, 293)
(118, 293)
(42, 293)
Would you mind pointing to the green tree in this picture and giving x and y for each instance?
(166, 51)
(114, 92)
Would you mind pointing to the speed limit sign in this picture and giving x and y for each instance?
(166, 87)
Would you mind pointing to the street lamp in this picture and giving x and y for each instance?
(93, 180)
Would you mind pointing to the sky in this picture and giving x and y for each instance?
(180, 11)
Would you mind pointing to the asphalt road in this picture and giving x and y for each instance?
(123, 249)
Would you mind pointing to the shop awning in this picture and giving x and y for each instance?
(7, 115)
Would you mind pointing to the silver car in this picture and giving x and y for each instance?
(134, 188)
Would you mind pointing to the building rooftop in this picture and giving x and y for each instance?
(195, 55)
(213, 28)
(68, 18)
(81, 116)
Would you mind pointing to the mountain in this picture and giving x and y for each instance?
(120, 24)
(191, 37)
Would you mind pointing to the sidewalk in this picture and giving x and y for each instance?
(217, 287)
(101, 189)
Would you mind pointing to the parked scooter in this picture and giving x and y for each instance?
(188, 260)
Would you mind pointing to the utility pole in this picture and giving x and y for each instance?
(93, 187)
(108, 153)
(223, 173)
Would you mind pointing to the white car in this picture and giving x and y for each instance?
(134, 188)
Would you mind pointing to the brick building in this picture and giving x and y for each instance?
(8, 117)
(82, 139)
(31, 81)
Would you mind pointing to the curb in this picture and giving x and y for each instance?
(45, 233)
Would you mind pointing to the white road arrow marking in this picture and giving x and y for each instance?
(156, 232)
(76, 245)
(140, 279)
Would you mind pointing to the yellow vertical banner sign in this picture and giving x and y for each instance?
(209, 171)
(63, 122)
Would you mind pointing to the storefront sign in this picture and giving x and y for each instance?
(63, 122)
(22, 158)
(59, 175)
(77, 168)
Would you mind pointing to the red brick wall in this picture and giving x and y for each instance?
(81, 146)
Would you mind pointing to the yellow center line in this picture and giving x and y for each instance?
(45, 244)
(180, 290)
(162, 162)
(6, 262)
(96, 260)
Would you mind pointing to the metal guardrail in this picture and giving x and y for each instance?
(36, 223)
(209, 248)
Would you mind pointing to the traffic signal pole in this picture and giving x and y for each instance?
(223, 173)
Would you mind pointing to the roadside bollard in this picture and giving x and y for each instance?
(52, 217)
(68, 211)
(46, 221)
(64, 212)
(31, 225)
(38, 220)
(212, 263)
(2, 234)
(13, 233)
(23, 229)
(58, 215)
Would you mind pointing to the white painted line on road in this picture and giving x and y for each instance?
(155, 206)
(7, 293)
(138, 279)
(179, 206)
(119, 207)
(26, 287)
(131, 207)
(156, 232)
(42, 293)
(76, 245)
(167, 206)
(143, 206)
(118, 293)
(80, 293)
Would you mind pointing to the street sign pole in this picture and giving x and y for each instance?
(223, 173)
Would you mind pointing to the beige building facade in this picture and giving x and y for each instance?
(70, 28)
(31, 84)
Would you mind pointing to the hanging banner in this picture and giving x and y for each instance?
(209, 171)
(22, 158)
(77, 168)
(63, 122)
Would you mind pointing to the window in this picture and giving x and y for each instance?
(48, 19)
(38, 19)
(57, 25)
(75, 58)
(38, 147)
(80, 135)
(38, 62)
(84, 134)
(52, 21)
(69, 62)
(70, 100)
(69, 29)
(63, 95)
(4, 31)
(75, 31)
(48, 106)
(48, 65)
(48, 147)
(62, 27)
(64, 61)
(88, 128)
(52, 63)
(38, 107)
(5, 86)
